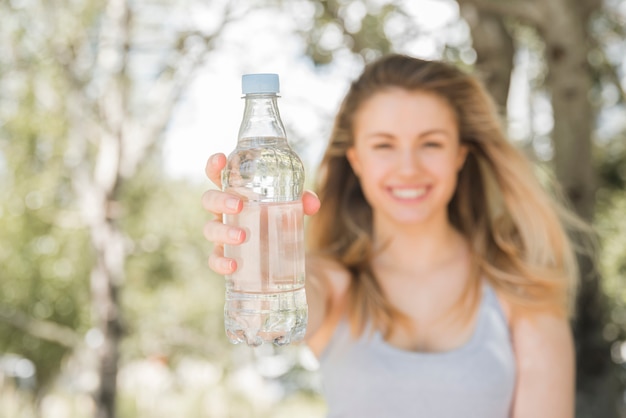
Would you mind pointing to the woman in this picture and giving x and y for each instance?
(440, 277)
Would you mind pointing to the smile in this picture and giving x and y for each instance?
(408, 193)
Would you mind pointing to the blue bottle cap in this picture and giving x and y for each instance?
(259, 83)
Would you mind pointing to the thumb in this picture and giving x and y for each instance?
(310, 203)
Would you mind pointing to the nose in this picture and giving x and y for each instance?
(408, 161)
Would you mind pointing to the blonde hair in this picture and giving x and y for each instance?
(516, 231)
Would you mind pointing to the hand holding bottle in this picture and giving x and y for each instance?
(265, 294)
(218, 203)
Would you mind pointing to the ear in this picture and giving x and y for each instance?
(353, 159)
(461, 157)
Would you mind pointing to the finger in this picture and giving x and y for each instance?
(222, 265)
(214, 166)
(217, 232)
(218, 202)
(310, 202)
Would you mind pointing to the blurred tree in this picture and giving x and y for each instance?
(360, 27)
(105, 77)
(564, 29)
(86, 90)
(41, 305)
(115, 128)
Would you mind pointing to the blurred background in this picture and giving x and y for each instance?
(109, 110)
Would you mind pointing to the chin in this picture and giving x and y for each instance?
(408, 220)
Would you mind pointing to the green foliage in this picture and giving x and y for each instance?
(611, 226)
(611, 163)
(167, 274)
(44, 275)
(45, 271)
(172, 303)
(358, 26)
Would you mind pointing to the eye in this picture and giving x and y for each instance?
(381, 145)
(433, 144)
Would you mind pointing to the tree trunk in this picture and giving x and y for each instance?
(562, 25)
(118, 128)
(106, 277)
(107, 274)
(569, 82)
(494, 50)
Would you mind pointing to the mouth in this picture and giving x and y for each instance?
(408, 193)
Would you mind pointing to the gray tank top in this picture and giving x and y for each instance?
(368, 377)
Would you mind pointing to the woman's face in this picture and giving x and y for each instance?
(406, 154)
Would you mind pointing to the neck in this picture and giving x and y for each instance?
(419, 247)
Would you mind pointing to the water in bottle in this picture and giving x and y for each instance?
(265, 297)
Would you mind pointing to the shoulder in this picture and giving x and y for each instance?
(536, 331)
(541, 337)
(531, 329)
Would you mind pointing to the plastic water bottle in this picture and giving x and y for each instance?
(265, 298)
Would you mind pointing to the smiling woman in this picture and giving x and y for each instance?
(407, 165)
(439, 275)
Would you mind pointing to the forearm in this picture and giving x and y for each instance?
(316, 288)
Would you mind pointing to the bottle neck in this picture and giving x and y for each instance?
(261, 120)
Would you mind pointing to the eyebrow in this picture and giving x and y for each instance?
(421, 135)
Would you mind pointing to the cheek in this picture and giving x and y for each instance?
(367, 179)
(445, 170)
(441, 164)
(370, 180)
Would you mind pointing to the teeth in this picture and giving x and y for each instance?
(409, 193)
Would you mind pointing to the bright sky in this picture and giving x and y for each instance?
(207, 120)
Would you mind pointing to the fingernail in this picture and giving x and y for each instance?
(232, 203)
(234, 234)
(226, 265)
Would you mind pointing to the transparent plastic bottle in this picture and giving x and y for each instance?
(265, 298)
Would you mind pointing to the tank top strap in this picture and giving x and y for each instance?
(490, 298)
